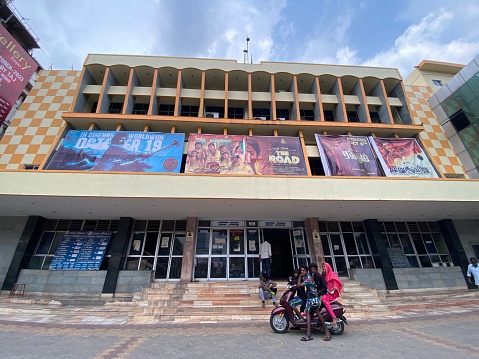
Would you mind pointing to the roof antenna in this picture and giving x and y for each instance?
(246, 51)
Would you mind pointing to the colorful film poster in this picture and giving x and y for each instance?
(16, 69)
(347, 156)
(121, 151)
(402, 157)
(250, 155)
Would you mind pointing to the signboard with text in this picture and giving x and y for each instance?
(122, 151)
(81, 250)
(248, 155)
(16, 69)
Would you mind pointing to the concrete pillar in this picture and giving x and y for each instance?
(188, 262)
(118, 248)
(373, 231)
(314, 240)
(24, 251)
(454, 246)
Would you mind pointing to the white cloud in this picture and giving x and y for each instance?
(425, 41)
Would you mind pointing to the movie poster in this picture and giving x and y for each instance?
(121, 151)
(251, 155)
(402, 157)
(347, 156)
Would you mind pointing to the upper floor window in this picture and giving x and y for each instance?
(307, 115)
(93, 107)
(189, 111)
(115, 107)
(235, 112)
(140, 109)
(375, 117)
(437, 82)
(166, 110)
(328, 115)
(282, 113)
(352, 116)
(261, 113)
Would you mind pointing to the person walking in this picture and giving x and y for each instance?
(265, 257)
(473, 270)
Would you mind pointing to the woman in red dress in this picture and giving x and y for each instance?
(334, 289)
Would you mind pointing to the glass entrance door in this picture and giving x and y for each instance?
(169, 257)
(227, 254)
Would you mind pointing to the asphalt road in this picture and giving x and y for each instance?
(438, 336)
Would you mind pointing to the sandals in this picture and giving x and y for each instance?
(327, 338)
(307, 338)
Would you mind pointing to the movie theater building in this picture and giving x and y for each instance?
(140, 169)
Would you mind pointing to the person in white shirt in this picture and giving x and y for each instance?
(265, 257)
(473, 269)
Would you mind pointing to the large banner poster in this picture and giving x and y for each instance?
(16, 69)
(119, 151)
(347, 156)
(81, 250)
(238, 154)
(402, 157)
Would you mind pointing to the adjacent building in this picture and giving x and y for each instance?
(161, 169)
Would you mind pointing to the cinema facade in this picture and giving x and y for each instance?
(152, 169)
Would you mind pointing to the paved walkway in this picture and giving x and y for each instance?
(442, 335)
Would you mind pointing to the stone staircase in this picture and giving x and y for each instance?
(226, 301)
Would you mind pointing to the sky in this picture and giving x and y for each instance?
(385, 33)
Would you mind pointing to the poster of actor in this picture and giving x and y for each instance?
(402, 157)
(249, 155)
(122, 151)
(347, 155)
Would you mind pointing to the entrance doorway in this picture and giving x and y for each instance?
(282, 266)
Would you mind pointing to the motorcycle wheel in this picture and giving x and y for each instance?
(279, 323)
(339, 329)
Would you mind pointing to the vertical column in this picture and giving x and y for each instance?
(189, 250)
(314, 240)
(118, 251)
(295, 115)
(24, 251)
(133, 81)
(454, 246)
(201, 110)
(154, 104)
(226, 96)
(273, 99)
(178, 94)
(373, 231)
(250, 97)
(318, 106)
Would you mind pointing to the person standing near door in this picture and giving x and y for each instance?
(265, 257)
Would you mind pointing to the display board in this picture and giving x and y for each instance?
(249, 155)
(81, 250)
(123, 151)
(347, 155)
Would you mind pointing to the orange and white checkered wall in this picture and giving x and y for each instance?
(37, 123)
(433, 137)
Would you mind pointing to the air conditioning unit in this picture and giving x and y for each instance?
(212, 114)
(260, 118)
(282, 118)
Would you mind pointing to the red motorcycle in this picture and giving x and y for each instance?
(283, 315)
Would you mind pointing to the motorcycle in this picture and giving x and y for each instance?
(283, 315)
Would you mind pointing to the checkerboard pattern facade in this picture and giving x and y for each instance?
(38, 122)
(433, 137)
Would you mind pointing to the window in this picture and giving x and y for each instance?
(460, 120)
(261, 112)
(115, 107)
(316, 167)
(375, 117)
(282, 113)
(45, 250)
(93, 107)
(189, 111)
(352, 116)
(421, 242)
(140, 109)
(166, 110)
(31, 167)
(220, 110)
(328, 115)
(235, 112)
(307, 115)
(437, 82)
